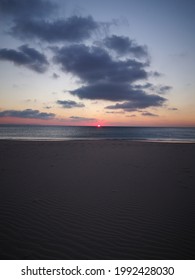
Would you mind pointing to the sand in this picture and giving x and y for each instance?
(97, 200)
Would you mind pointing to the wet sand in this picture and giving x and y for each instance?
(97, 200)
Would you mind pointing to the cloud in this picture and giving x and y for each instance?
(47, 107)
(104, 91)
(70, 104)
(131, 116)
(30, 100)
(80, 119)
(27, 57)
(173, 109)
(24, 8)
(115, 112)
(145, 86)
(95, 64)
(108, 71)
(28, 113)
(163, 89)
(119, 92)
(106, 78)
(157, 88)
(72, 29)
(55, 76)
(138, 101)
(149, 114)
(156, 74)
(123, 46)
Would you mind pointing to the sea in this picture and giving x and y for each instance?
(62, 133)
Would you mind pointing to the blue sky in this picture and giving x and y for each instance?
(87, 62)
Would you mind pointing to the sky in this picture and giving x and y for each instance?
(111, 62)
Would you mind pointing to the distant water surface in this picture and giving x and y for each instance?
(31, 132)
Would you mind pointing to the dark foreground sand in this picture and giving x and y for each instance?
(97, 200)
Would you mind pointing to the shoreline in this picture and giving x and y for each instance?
(174, 141)
(97, 200)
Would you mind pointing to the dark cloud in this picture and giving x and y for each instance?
(76, 118)
(55, 76)
(25, 8)
(173, 109)
(106, 78)
(123, 46)
(157, 88)
(28, 113)
(156, 74)
(72, 29)
(27, 57)
(47, 107)
(94, 64)
(138, 101)
(104, 91)
(69, 104)
(119, 92)
(145, 86)
(163, 89)
(149, 114)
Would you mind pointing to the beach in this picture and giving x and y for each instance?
(101, 199)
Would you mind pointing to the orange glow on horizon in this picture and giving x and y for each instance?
(66, 122)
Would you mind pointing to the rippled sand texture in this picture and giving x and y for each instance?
(97, 200)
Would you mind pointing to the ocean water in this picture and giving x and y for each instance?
(32, 132)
